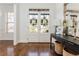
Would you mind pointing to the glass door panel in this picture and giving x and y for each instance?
(44, 23)
(33, 27)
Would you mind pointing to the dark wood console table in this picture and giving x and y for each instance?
(68, 42)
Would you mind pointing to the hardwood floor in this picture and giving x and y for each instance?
(26, 49)
(6, 48)
(34, 49)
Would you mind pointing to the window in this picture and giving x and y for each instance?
(39, 20)
(33, 27)
(44, 23)
(10, 22)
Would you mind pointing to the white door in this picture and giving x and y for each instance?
(33, 18)
(44, 20)
(39, 26)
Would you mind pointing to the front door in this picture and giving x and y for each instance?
(39, 25)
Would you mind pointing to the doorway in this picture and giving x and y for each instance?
(39, 28)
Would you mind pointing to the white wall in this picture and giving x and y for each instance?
(21, 10)
(56, 10)
(4, 8)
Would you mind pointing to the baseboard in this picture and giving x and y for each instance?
(33, 43)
